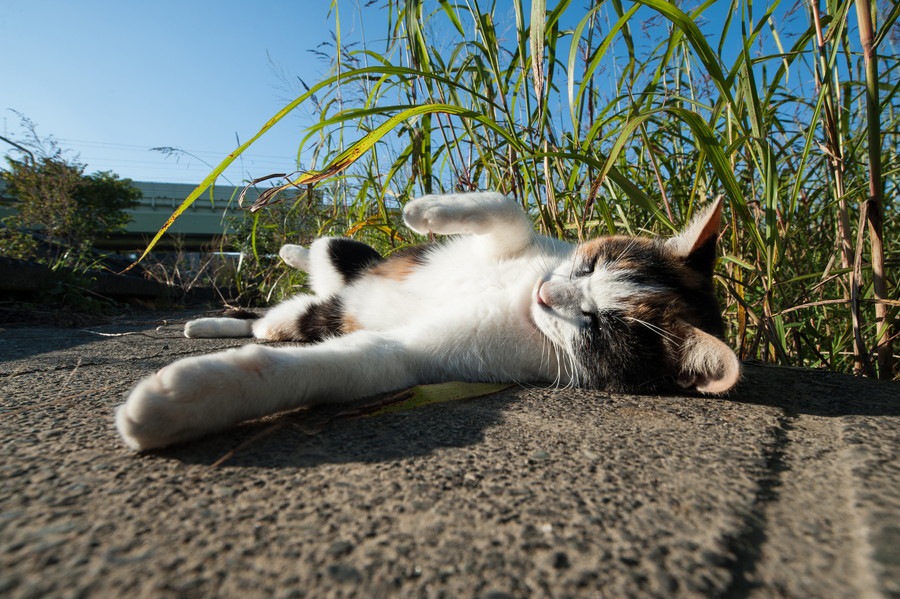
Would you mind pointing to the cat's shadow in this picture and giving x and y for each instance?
(336, 435)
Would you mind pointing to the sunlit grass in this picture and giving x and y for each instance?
(651, 111)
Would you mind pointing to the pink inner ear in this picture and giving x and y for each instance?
(704, 227)
(711, 220)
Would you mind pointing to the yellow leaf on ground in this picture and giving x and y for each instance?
(424, 395)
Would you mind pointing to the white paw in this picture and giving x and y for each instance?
(296, 256)
(190, 398)
(456, 213)
(218, 328)
(152, 416)
(430, 214)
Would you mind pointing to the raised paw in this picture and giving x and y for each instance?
(422, 215)
(506, 228)
(296, 256)
(448, 214)
(478, 212)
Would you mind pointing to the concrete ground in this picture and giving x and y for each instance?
(789, 488)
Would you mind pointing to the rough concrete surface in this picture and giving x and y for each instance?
(789, 488)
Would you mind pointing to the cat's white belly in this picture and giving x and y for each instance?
(474, 322)
(449, 291)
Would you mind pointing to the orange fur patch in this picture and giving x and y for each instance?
(349, 324)
(397, 269)
(618, 251)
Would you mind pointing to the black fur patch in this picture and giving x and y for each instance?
(352, 258)
(322, 320)
(624, 356)
(703, 258)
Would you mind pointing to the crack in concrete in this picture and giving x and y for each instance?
(746, 544)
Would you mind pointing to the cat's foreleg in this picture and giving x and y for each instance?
(204, 394)
(278, 324)
(504, 227)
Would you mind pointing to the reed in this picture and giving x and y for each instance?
(627, 117)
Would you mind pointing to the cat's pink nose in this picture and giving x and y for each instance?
(543, 295)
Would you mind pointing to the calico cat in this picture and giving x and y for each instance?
(497, 303)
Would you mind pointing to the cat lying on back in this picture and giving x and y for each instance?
(497, 304)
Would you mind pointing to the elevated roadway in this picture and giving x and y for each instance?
(209, 217)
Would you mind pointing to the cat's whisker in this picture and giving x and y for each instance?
(658, 330)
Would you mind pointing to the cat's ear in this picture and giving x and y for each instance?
(707, 364)
(696, 245)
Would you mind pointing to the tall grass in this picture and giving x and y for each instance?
(623, 117)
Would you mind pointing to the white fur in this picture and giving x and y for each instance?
(324, 282)
(295, 255)
(215, 328)
(477, 313)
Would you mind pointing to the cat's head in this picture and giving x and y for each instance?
(640, 314)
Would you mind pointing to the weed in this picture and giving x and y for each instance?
(623, 118)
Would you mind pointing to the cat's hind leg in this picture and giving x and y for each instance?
(504, 227)
(303, 318)
(332, 262)
(218, 328)
(284, 321)
(295, 256)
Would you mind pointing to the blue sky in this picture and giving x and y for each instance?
(110, 79)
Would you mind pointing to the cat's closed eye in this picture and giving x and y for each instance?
(585, 270)
(586, 267)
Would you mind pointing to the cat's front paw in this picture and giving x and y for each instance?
(152, 416)
(188, 399)
(448, 214)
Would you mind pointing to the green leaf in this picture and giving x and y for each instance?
(697, 40)
(346, 158)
